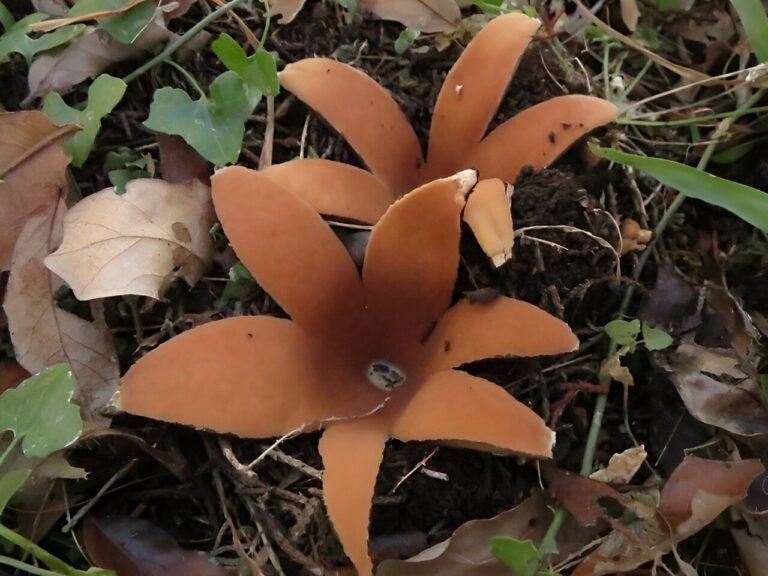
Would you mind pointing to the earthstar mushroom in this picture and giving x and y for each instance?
(366, 356)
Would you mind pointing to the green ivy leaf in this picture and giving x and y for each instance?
(489, 6)
(623, 332)
(40, 412)
(655, 338)
(103, 95)
(124, 27)
(10, 483)
(406, 39)
(6, 18)
(213, 125)
(520, 556)
(126, 165)
(258, 71)
(17, 39)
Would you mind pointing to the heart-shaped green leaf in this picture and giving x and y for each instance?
(17, 39)
(40, 412)
(213, 125)
(258, 71)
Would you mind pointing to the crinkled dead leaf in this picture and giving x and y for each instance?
(136, 243)
(695, 494)
(716, 389)
(32, 171)
(87, 57)
(136, 547)
(622, 466)
(423, 15)
(468, 551)
(42, 333)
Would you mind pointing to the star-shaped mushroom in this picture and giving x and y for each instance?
(375, 126)
(366, 356)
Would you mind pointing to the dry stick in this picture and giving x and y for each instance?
(548, 542)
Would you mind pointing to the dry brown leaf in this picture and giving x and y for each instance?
(42, 333)
(133, 244)
(32, 171)
(468, 551)
(622, 467)
(180, 162)
(286, 9)
(136, 547)
(423, 15)
(88, 56)
(695, 494)
(716, 390)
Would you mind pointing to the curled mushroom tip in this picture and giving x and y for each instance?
(465, 180)
(488, 215)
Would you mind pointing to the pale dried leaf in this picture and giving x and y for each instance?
(42, 333)
(87, 57)
(134, 244)
(286, 9)
(53, 24)
(32, 171)
(630, 13)
(622, 467)
(716, 390)
(423, 15)
(612, 367)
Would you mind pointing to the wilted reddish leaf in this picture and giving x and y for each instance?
(32, 171)
(87, 57)
(424, 15)
(136, 243)
(42, 333)
(580, 495)
(180, 162)
(695, 494)
(716, 390)
(11, 374)
(135, 547)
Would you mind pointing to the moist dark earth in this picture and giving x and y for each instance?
(185, 484)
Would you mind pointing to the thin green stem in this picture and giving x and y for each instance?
(182, 40)
(605, 380)
(188, 77)
(267, 19)
(58, 566)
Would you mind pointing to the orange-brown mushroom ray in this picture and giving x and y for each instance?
(287, 246)
(412, 256)
(537, 136)
(464, 410)
(489, 216)
(364, 113)
(253, 376)
(473, 89)
(352, 451)
(503, 327)
(334, 189)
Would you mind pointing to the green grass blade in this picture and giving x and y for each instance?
(749, 204)
(755, 21)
